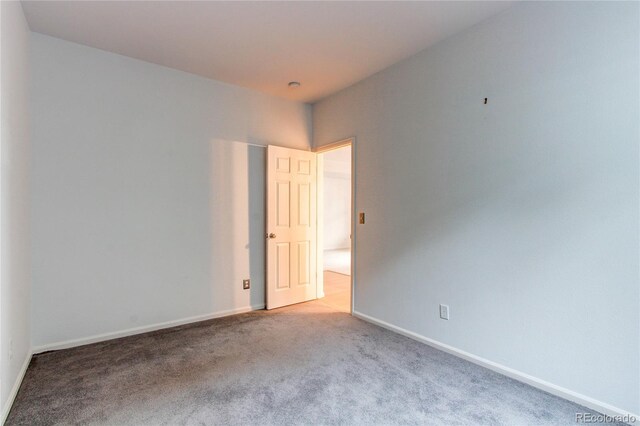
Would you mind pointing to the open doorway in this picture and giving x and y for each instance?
(335, 220)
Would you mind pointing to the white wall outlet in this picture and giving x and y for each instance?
(444, 312)
(246, 284)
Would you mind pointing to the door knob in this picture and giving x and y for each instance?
(271, 235)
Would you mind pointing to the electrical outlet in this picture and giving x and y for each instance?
(444, 312)
(361, 218)
(246, 284)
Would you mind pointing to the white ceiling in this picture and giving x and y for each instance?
(327, 46)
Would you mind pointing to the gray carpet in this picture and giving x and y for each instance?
(304, 364)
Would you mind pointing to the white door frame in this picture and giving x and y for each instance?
(320, 216)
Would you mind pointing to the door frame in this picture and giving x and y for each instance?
(351, 141)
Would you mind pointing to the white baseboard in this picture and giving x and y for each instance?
(139, 330)
(15, 389)
(551, 388)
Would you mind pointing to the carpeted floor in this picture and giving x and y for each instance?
(304, 364)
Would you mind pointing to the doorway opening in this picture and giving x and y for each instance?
(310, 216)
(335, 225)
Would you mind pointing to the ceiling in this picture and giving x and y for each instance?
(326, 46)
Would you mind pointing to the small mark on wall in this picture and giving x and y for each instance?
(485, 100)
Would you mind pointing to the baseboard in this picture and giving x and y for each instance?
(16, 387)
(139, 330)
(551, 388)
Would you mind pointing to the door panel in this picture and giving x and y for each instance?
(303, 263)
(304, 204)
(283, 203)
(282, 261)
(291, 226)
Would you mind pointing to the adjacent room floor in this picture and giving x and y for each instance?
(337, 291)
(304, 364)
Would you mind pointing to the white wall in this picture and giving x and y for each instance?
(521, 214)
(337, 198)
(15, 340)
(144, 211)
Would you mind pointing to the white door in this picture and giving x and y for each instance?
(291, 226)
